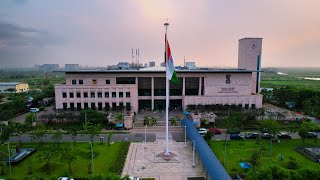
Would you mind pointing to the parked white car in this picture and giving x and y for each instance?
(202, 131)
(65, 178)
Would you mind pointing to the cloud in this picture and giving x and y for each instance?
(12, 35)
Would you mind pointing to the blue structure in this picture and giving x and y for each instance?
(212, 165)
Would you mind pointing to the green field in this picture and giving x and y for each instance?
(106, 159)
(241, 150)
(294, 77)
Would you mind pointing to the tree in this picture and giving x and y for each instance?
(73, 131)
(271, 126)
(235, 120)
(68, 155)
(57, 136)
(30, 118)
(119, 117)
(93, 116)
(20, 129)
(255, 158)
(93, 130)
(305, 127)
(38, 133)
(46, 155)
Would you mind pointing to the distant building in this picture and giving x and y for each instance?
(191, 65)
(49, 67)
(123, 65)
(13, 87)
(71, 66)
(152, 64)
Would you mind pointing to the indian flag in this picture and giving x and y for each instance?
(170, 71)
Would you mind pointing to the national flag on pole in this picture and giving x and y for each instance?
(170, 71)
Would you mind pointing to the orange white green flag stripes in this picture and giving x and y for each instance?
(170, 71)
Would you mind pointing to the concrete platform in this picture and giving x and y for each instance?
(180, 168)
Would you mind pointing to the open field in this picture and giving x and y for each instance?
(242, 150)
(291, 77)
(107, 159)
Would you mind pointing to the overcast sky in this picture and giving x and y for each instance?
(103, 32)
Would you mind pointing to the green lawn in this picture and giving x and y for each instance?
(242, 150)
(106, 159)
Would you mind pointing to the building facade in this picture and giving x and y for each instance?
(13, 87)
(146, 88)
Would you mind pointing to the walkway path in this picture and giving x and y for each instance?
(179, 168)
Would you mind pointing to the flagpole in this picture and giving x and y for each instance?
(167, 93)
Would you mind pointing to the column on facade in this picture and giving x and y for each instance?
(152, 93)
(183, 92)
(200, 85)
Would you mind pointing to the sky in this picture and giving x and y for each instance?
(104, 32)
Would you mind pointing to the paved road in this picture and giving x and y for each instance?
(223, 136)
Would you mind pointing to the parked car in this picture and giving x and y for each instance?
(215, 130)
(311, 135)
(266, 136)
(202, 131)
(65, 178)
(284, 136)
(252, 135)
(233, 131)
(236, 137)
(130, 178)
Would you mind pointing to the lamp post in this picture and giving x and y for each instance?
(185, 135)
(9, 156)
(143, 166)
(145, 137)
(92, 158)
(194, 146)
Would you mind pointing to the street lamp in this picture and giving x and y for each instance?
(92, 158)
(194, 146)
(9, 161)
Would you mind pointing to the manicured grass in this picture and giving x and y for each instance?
(242, 150)
(107, 159)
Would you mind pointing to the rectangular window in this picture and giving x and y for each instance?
(65, 106)
(100, 106)
(78, 106)
(94, 81)
(80, 81)
(86, 105)
(85, 94)
(92, 95)
(192, 86)
(120, 94)
(93, 106)
(144, 86)
(107, 81)
(78, 95)
(72, 106)
(114, 94)
(126, 80)
(64, 95)
(71, 95)
(107, 107)
(114, 106)
(99, 94)
(127, 94)
(128, 106)
(74, 81)
(106, 94)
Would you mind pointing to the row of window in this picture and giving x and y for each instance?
(93, 95)
(99, 107)
(93, 81)
(122, 80)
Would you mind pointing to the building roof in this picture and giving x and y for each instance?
(157, 69)
(10, 83)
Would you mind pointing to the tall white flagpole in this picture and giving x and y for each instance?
(167, 93)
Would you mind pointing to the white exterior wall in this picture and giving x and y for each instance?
(216, 89)
(249, 50)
